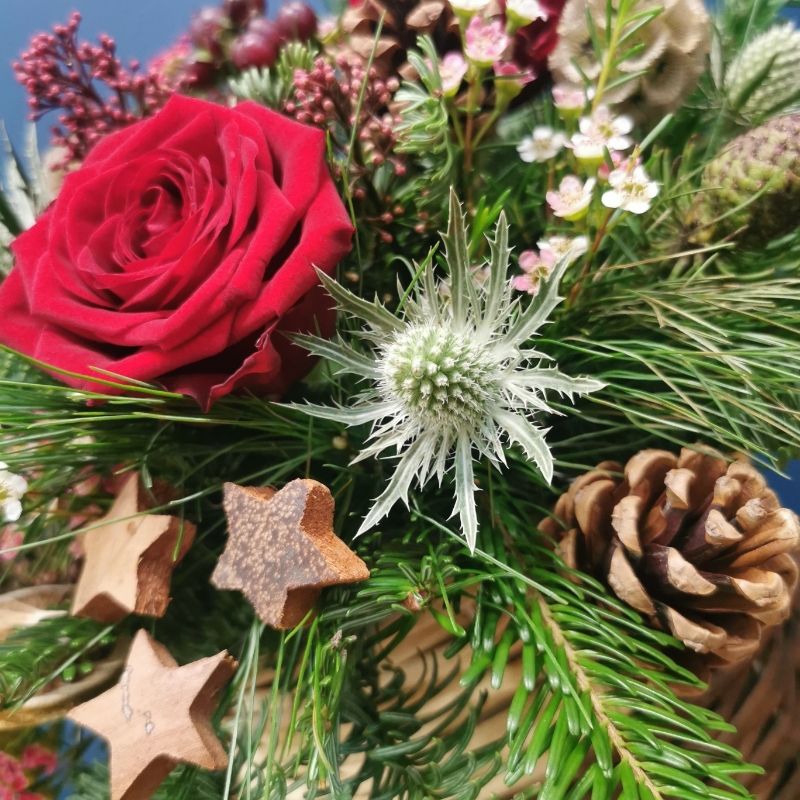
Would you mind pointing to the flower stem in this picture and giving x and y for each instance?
(485, 127)
(598, 239)
(453, 110)
(608, 62)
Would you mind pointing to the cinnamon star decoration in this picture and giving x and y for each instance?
(157, 716)
(282, 550)
(129, 559)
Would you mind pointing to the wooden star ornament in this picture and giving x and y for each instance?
(129, 559)
(282, 550)
(157, 716)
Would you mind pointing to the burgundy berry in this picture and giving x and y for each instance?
(296, 20)
(239, 11)
(252, 49)
(205, 29)
(267, 30)
(200, 74)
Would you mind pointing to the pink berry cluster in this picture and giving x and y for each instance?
(14, 779)
(61, 73)
(328, 96)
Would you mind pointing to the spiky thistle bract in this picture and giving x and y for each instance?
(451, 376)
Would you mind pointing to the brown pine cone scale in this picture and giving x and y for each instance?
(699, 545)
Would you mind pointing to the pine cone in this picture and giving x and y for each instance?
(761, 699)
(776, 55)
(769, 154)
(404, 20)
(699, 546)
(675, 45)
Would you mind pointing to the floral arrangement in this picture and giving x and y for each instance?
(432, 360)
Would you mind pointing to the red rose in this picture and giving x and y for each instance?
(180, 252)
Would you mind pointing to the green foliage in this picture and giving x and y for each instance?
(596, 683)
(694, 343)
(424, 130)
(62, 648)
(274, 86)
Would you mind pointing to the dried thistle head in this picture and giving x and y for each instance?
(452, 376)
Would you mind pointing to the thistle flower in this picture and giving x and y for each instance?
(452, 71)
(572, 247)
(772, 60)
(485, 42)
(450, 378)
(542, 146)
(536, 267)
(12, 487)
(631, 190)
(572, 199)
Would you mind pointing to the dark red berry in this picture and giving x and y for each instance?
(267, 30)
(205, 29)
(239, 11)
(200, 74)
(296, 20)
(252, 49)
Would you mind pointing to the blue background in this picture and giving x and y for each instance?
(141, 28)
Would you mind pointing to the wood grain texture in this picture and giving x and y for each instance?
(130, 559)
(157, 716)
(282, 550)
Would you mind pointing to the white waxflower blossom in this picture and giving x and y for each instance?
(631, 190)
(469, 7)
(450, 378)
(572, 200)
(544, 144)
(600, 131)
(12, 488)
(525, 11)
(560, 246)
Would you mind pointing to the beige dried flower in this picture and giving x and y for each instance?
(674, 45)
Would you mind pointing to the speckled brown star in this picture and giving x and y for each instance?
(282, 550)
(157, 716)
(129, 559)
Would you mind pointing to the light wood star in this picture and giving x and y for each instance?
(282, 549)
(129, 560)
(157, 716)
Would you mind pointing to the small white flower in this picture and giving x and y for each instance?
(631, 190)
(469, 7)
(542, 146)
(601, 131)
(452, 71)
(523, 12)
(450, 379)
(572, 199)
(12, 488)
(560, 246)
